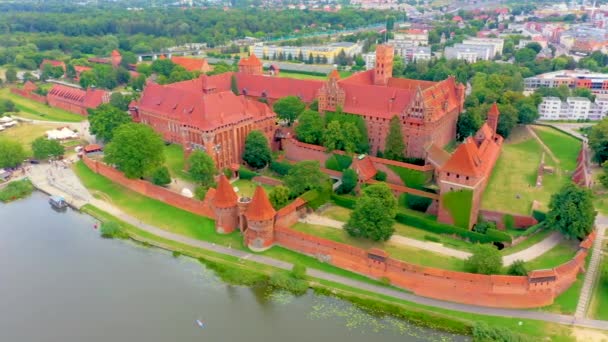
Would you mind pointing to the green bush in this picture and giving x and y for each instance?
(417, 203)
(411, 178)
(280, 168)
(486, 259)
(338, 162)
(432, 238)
(509, 221)
(343, 201)
(482, 227)
(16, 190)
(298, 271)
(316, 198)
(517, 268)
(482, 332)
(161, 176)
(497, 235)
(245, 173)
(540, 216)
(284, 281)
(380, 176)
(112, 230)
(200, 192)
(235, 275)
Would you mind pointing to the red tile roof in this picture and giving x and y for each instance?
(465, 160)
(52, 62)
(29, 86)
(260, 208)
(92, 148)
(277, 87)
(204, 111)
(225, 197)
(192, 64)
(250, 61)
(80, 69)
(90, 98)
(494, 109)
(364, 167)
(115, 53)
(334, 74)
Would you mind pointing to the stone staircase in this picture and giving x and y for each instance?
(590, 275)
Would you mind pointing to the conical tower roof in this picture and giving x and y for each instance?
(225, 197)
(494, 110)
(260, 208)
(334, 74)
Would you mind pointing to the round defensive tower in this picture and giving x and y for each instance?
(225, 207)
(260, 214)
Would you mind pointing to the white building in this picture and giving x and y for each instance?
(574, 108)
(370, 60)
(469, 53)
(496, 43)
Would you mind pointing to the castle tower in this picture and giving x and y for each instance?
(116, 58)
(331, 95)
(260, 215)
(251, 65)
(225, 207)
(493, 115)
(384, 64)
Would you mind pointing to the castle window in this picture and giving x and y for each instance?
(457, 176)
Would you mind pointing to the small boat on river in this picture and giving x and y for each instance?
(58, 202)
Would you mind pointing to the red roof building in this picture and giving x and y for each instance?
(251, 65)
(470, 167)
(201, 115)
(53, 63)
(192, 64)
(76, 100)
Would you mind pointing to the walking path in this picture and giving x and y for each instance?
(593, 269)
(83, 195)
(527, 254)
(540, 141)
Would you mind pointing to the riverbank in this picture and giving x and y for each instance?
(16, 190)
(438, 318)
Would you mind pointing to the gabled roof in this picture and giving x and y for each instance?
(205, 83)
(192, 64)
(115, 53)
(29, 86)
(494, 110)
(52, 62)
(485, 131)
(80, 68)
(436, 155)
(252, 60)
(364, 167)
(334, 74)
(277, 87)
(465, 160)
(90, 98)
(225, 197)
(260, 208)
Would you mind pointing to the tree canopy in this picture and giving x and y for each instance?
(571, 211)
(12, 153)
(304, 176)
(374, 214)
(395, 146)
(44, 148)
(136, 150)
(598, 141)
(202, 168)
(257, 152)
(279, 196)
(310, 127)
(486, 259)
(105, 119)
(349, 181)
(289, 108)
(341, 136)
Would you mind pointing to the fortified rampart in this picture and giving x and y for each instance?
(30, 95)
(539, 288)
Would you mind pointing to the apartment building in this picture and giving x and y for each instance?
(574, 108)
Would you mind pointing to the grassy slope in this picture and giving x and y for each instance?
(554, 257)
(174, 159)
(409, 254)
(533, 328)
(34, 110)
(512, 185)
(26, 133)
(532, 240)
(563, 146)
(599, 299)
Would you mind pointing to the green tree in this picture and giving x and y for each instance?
(341, 136)
(161, 176)
(257, 152)
(289, 108)
(279, 196)
(518, 268)
(10, 75)
(525, 55)
(395, 147)
(310, 127)
(136, 150)
(202, 168)
(571, 211)
(88, 79)
(598, 141)
(486, 259)
(349, 181)
(120, 101)
(44, 148)
(233, 85)
(304, 176)
(534, 46)
(7, 106)
(374, 214)
(12, 153)
(105, 119)
(332, 136)
(468, 123)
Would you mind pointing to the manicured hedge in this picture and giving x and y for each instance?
(245, 173)
(280, 168)
(423, 221)
(316, 198)
(411, 178)
(539, 215)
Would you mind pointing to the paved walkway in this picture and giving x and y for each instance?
(593, 268)
(527, 254)
(524, 314)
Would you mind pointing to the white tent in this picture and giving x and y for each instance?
(187, 193)
(61, 134)
(5, 119)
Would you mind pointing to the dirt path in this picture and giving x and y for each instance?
(545, 147)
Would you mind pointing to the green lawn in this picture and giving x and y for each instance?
(343, 214)
(563, 146)
(247, 187)
(556, 256)
(405, 253)
(37, 111)
(174, 159)
(599, 300)
(25, 133)
(512, 186)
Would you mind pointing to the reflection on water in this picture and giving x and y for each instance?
(59, 281)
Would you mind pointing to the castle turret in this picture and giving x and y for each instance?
(116, 58)
(384, 64)
(225, 207)
(331, 96)
(493, 115)
(260, 216)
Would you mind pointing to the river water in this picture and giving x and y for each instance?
(59, 281)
